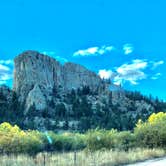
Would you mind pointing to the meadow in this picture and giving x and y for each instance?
(82, 158)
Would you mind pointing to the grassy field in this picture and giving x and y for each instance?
(83, 158)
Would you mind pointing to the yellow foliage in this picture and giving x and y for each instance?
(5, 127)
(157, 117)
(15, 140)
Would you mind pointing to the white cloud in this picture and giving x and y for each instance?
(128, 49)
(156, 64)
(129, 72)
(130, 76)
(5, 76)
(5, 72)
(93, 51)
(135, 65)
(4, 68)
(156, 76)
(6, 62)
(105, 74)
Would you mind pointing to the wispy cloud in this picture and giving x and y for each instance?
(128, 72)
(128, 49)
(5, 73)
(131, 72)
(4, 68)
(156, 76)
(5, 76)
(53, 54)
(6, 62)
(156, 64)
(94, 51)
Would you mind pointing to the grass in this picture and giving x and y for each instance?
(99, 158)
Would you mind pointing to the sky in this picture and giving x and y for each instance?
(121, 40)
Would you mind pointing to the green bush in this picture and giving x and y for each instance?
(124, 140)
(65, 141)
(100, 139)
(105, 139)
(33, 142)
(151, 135)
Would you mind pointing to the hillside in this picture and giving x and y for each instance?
(48, 95)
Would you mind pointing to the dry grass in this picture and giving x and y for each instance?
(99, 158)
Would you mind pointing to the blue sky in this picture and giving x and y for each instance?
(124, 40)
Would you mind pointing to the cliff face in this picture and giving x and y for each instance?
(60, 97)
(36, 75)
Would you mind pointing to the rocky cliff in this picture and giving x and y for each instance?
(36, 75)
(53, 96)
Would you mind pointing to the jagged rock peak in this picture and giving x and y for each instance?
(40, 73)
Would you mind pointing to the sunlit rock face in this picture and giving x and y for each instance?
(76, 76)
(36, 97)
(36, 75)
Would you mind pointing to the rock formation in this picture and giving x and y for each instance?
(60, 97)
(36, 75)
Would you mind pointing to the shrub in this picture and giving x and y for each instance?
(124, 140)
(33, 142)
(65, 141)
(14, 140)
(100, 139)
(151, 133)
(105, 139)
